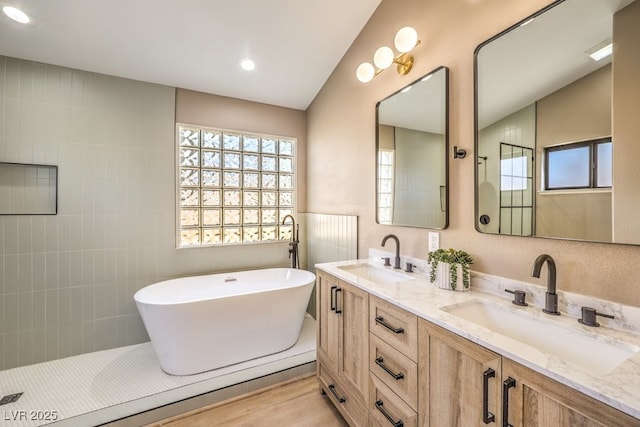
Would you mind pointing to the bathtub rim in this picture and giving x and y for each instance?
(139, 295)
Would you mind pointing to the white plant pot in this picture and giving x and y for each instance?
(443, 278)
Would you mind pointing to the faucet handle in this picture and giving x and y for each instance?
(519, 297)
(589, 316)
(409, 268)
(387, 261)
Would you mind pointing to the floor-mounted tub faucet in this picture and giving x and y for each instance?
(394, 237)
(550, 297)
(293, 242)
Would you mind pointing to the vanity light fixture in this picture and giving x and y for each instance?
(405, 41)
(601, 50)
(16, 14)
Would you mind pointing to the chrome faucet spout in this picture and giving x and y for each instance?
(394, 237)
(551, 298)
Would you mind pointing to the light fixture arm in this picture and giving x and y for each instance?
(405, 61)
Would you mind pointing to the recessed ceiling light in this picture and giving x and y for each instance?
(247, 64)
(16, 14)
(601, 50)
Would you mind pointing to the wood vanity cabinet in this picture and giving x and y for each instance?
(393, 365)
(381, 366)
(343, 346)
(465, 384)
(537, 400)
(459, 380)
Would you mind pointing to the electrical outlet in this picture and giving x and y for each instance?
(434, 241)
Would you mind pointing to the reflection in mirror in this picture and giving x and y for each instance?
(556, 124)
(412, 143)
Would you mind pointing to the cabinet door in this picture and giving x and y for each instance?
(353, 366)
(327, 320)
(463, 381)
(536, 400)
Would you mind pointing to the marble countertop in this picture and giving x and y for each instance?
(619, 388)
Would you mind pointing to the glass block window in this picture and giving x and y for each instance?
(233, 187)
(385, 186)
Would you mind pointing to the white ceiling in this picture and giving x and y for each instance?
(195, 44)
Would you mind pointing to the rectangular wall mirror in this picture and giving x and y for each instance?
(556, 124)
(411, 147)
(27, 189)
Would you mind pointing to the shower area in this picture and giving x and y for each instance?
(506, 175)
(516, 190)
(506, 191)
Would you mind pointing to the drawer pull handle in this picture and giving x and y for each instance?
(338, 310)
(506, 385)
(487, 417)
(333, 391)
(393, 422)
(380, 362)
(393, 329)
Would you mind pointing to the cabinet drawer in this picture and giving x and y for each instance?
(395, 326)
(394, 369)
(386, 408)
(353, 410)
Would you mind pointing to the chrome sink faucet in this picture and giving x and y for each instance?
(550, 297)
(394, 237)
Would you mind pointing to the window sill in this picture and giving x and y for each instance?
(574, 191)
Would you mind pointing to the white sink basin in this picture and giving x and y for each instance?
(376, 274)
(582, 350)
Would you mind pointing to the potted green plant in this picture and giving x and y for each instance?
(446, 265)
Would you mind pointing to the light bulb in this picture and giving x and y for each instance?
(16, 14)
(365, 72)
(383, 58)
(406, 39)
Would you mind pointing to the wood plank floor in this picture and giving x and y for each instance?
(297, 403)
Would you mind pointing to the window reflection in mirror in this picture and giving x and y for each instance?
(412, 141)
(538, 87)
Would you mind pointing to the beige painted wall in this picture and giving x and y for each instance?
(626, 126)
(341, 148)
(580, 111)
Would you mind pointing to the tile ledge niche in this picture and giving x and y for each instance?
(627, 318)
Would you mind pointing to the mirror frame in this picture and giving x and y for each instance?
(476, 219)
(446, 148)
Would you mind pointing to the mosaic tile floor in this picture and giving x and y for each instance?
(99, 387)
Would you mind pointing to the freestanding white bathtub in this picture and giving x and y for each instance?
(206, 322)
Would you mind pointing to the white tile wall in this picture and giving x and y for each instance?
(329, 238)
(67, 281)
